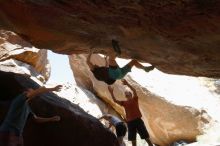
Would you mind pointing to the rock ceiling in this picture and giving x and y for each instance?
(177, 36)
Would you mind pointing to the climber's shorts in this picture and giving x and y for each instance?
(117, 72)
(10, 139)
(121, 129)
(137, 126)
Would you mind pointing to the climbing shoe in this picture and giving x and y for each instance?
(116, 47)
(148, 68)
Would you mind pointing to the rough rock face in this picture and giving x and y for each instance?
(75, 128)
(165, 121)
(14, 47)
(177, 36)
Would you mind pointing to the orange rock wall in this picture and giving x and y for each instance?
(13, 46)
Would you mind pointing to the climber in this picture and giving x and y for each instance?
(119, 126)
(14, 122)
(133, 115)
(111, 71)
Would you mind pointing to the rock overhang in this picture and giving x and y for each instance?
(178, 37)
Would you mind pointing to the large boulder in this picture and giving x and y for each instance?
(165, 121)
(76, 126)
(14, 47)
(177, 36)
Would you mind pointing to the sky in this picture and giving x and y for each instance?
(60, 69)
